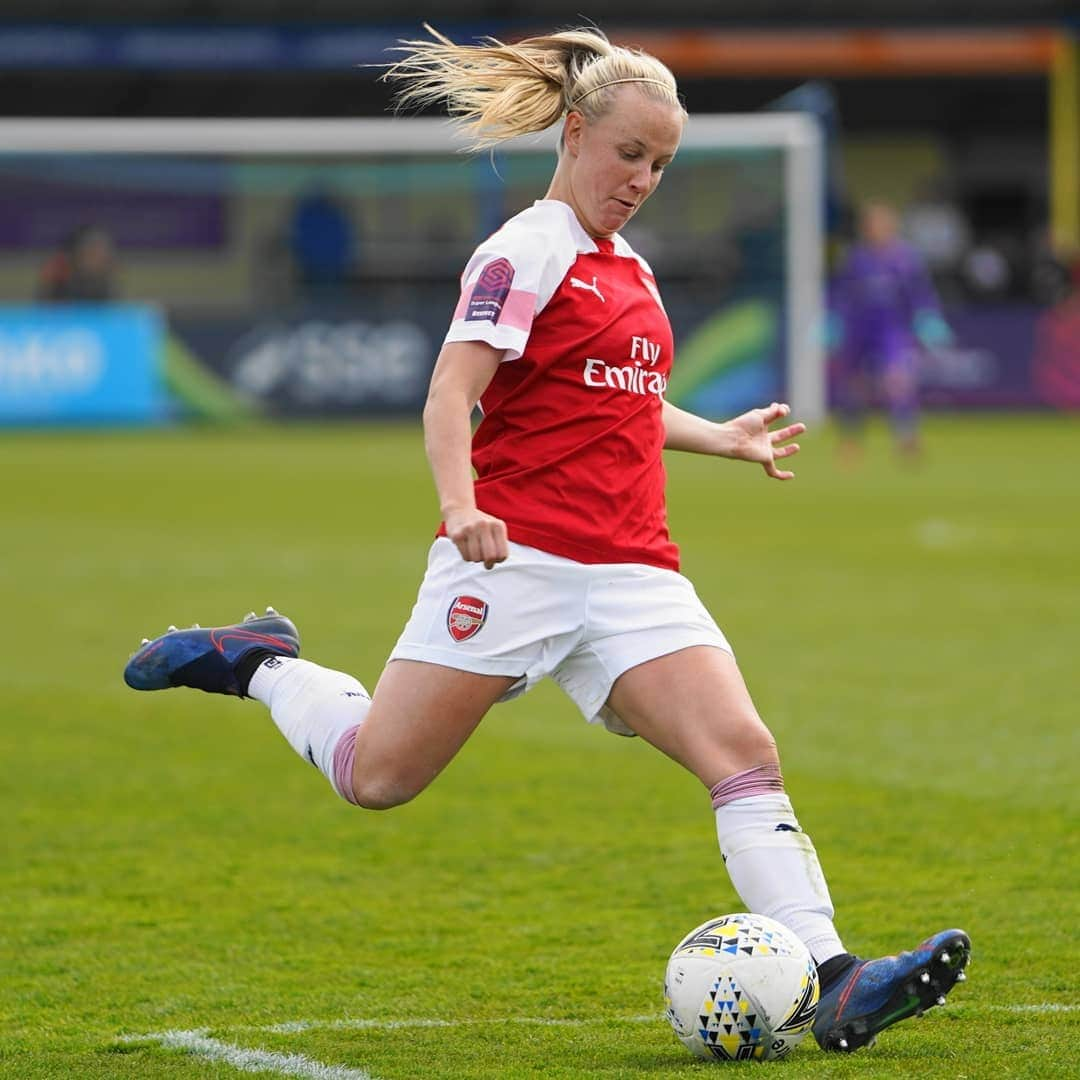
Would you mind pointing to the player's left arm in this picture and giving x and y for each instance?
(745, 438)
(927, 319)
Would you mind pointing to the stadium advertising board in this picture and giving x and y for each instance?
(1014, 356)
(38, 213)
(374, 355)
(80, 364)
(321, 361)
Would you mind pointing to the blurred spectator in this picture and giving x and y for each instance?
(82, 271)
(998, 267)
(1052, 273)
(987, 272)
(937, 227)
(323, 243)
(883, 308)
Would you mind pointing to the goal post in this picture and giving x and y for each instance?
(748, 201)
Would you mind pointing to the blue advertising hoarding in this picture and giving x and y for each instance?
(81, 364)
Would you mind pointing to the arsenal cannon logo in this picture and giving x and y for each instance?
(465, 617)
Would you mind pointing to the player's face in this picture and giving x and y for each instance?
(617, 160)
(879, 225)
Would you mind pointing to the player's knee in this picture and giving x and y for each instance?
(762, 744)
(753, 744)
(376, 795)
(380, 789)
(765, 751)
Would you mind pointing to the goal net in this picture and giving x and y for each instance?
(311, 266)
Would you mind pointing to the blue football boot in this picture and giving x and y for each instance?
(208, 659)
(875, 994)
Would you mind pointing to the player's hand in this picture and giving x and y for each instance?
(478, 536)
(753, 441)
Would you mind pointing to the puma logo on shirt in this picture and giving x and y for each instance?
(577, 283)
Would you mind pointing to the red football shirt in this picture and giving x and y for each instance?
(569, 451)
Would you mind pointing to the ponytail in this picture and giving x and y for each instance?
(497, 91)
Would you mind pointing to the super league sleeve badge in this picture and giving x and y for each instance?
(466, 616)
(490, 292)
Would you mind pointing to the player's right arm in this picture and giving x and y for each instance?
(462, 373)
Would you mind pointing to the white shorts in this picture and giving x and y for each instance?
(538, 614)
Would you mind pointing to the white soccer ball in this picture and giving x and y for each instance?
(741, 987)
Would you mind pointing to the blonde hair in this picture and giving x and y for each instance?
(496, 91)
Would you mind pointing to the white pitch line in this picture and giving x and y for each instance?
(293, 1027)
(290, 1027)
(199, 1044)
(239, 1057)
(1045, 1007)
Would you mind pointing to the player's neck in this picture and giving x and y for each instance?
(561, 190)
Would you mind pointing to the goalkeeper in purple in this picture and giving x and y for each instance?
(884, 308)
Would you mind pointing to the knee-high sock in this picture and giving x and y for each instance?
(771, 861)
(317, 710)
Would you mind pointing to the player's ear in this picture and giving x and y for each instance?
(573, 126)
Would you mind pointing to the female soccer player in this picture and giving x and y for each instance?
(887, 311)
(556, 559)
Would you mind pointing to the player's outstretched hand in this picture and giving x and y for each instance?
(755, 442)
(478, 536)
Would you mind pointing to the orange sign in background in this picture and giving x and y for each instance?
(849, 52)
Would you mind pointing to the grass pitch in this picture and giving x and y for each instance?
(910, 635)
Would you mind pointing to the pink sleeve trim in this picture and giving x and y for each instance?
(517, 310)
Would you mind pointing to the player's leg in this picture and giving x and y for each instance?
(473, 635)
(380, 751)
(375, 754)
(900, 389)
(421, 715)
(694, 706)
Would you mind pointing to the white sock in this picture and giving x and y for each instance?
(313, 707)
(774, 868)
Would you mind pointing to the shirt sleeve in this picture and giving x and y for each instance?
(506, 283)
(921, 292)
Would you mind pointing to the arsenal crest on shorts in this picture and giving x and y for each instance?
(465, 617)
